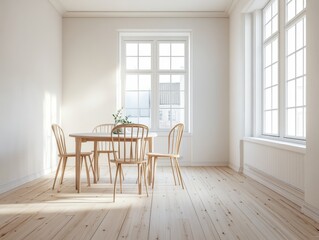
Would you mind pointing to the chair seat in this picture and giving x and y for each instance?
(151, 154)
(121, 161)
(103, 151)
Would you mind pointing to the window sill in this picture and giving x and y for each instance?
(299, 148)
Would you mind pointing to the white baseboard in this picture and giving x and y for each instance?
(166, 162)
(311, 211)
(18, 182)
(235, 167)
(208, 164)
(292, 193)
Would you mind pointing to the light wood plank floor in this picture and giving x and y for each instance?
(217, 203)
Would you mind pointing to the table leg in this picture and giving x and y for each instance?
(78, 143)
(139, 179)
(150, 160)
(95, 165)
(149, 170)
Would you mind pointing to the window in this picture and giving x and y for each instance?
(155, 74)
(295, 69)
(270, 68)
(284, 72)
(138, 81)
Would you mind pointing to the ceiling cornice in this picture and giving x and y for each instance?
(232, 6)
(58, 6)
(253, 5)
(141, 14)
(157, 14)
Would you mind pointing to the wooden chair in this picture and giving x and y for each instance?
(174, 142)
(64, 155)
(128, 143)
(104, 147)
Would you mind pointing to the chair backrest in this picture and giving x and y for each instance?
(59, 137)
(174, 138)
(104, 128)
(128, 142)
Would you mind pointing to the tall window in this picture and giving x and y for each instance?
(284, 98)
(296, 69)
(155, 80)
(270, 62)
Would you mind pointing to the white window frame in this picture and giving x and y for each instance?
(154, 37)
(266, 42)
(287, 24)
(258, 73)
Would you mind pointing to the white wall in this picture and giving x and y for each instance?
(278, 166)
(30, 88)
(282, 164)
(312, 154)
(90, 62)
(236, 85)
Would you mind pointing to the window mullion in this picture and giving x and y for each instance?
(282, 70)
(155, 104)
(258, 73)
(295, 19)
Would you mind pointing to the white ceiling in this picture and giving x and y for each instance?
(144, 5)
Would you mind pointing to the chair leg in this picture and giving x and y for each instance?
(87, 171)
(63, 168)
(110, 169)
(173, 169)
(95, 175)
(121, 173)
(92, 162)
(139, 178)
(64, 160)
(150, 170)
(91, 166)
(57, 172)
(145, 181)
(115, 179)
(179, 172)
(98, 167)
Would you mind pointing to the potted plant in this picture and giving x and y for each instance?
(119, 118)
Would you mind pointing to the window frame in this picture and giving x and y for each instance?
(155, 38)
(283, 25)
(266, 42)
(287, 25)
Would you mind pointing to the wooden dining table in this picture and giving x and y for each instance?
(95, 138)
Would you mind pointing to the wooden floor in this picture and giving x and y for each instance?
(216, 204)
